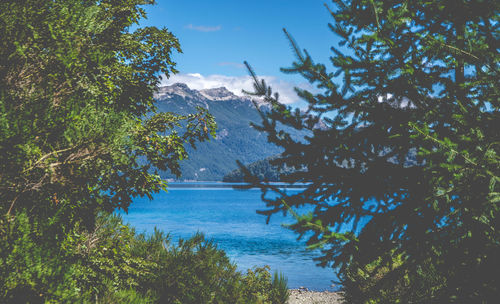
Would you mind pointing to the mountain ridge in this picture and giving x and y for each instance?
(235, 138)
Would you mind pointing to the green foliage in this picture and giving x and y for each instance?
(33, 269)
(76, 99)
(113, 264)
(405, 174)
(124, 296)
(280, 288)
(196, 272)
(389, 282)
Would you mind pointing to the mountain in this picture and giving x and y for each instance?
(235, 139)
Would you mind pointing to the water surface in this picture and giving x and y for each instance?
(229, 218)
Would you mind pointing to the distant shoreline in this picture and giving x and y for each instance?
(226, 184)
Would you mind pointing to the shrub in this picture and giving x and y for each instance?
(31, 270)
(113, 264)
(387, 281)
(279, 288)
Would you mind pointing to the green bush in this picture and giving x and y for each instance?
(113, 264)
(32, 270)
(388, 281)
(279, 288)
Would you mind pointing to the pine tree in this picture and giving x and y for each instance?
(403, 172)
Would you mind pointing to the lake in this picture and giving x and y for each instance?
(228, 217)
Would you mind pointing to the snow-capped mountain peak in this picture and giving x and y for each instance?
(180, 89)
(218, 94)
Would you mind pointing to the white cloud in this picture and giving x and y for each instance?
(236, 84)
(203, 28)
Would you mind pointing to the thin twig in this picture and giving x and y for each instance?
(12, 205)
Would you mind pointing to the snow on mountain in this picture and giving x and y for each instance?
(215, 94)
(218, 94)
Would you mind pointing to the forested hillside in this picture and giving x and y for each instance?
(262, 169)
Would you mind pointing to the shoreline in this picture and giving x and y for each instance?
(305, 296)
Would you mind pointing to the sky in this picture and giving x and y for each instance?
(216, 36)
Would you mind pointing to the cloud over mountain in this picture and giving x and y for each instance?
(236, 84)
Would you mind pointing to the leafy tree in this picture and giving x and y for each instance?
(76, 96)
(79, 135)
(404, 175)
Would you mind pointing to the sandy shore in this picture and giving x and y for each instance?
(304, 296)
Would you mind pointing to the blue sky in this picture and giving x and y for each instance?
(217, 36)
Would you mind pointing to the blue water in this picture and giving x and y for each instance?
(228, 217)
